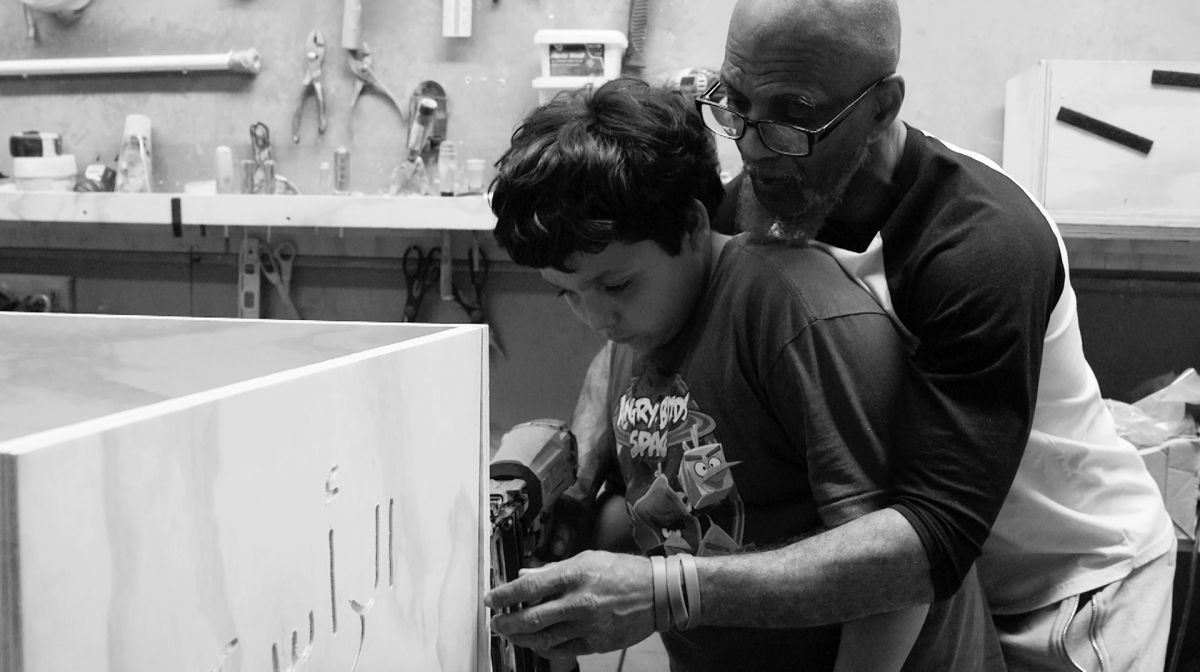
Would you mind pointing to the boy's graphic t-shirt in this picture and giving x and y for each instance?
(679, 482)
(764, 421)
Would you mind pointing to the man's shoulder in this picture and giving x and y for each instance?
(962, 208)
(957, 185)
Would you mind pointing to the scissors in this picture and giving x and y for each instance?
(276, 265)
(477, 264)
(420, 272)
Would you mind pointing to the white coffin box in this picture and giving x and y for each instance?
(241, 495)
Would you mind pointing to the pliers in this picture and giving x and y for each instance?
(364, 76)
(315, 59)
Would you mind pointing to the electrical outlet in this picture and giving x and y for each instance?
(60, 289)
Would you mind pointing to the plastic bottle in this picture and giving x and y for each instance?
(223, 168)
(475, 168)
(447, 169)
(134, 173)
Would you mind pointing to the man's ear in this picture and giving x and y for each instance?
(889, 96)
(698, 224)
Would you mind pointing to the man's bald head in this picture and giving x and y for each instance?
(862, 35)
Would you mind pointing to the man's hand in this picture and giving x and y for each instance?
(591, 603)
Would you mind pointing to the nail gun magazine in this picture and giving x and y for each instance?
(534, 464)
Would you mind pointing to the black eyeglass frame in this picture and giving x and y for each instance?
(813, 135)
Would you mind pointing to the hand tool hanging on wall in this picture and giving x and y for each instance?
(420, 272)
(360, 66)
(477, 267)
(276, 266)
(265, 180)
(360, 57)
(314, 56)
(257, 260)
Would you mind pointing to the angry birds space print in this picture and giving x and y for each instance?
(704, 473)
(680, 487)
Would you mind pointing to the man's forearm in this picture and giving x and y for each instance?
(870, 565)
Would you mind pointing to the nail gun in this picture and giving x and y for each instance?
(534, 464)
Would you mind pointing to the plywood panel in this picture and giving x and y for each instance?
(63, 369)
(1072, 169)
(337, 503)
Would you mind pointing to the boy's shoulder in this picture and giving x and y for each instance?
(769, 276)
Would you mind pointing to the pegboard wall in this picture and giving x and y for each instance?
(956, 57)
(487, 77)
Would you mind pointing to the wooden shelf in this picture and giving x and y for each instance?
(1137, 244)
(1128, 226)
(384, 226)
(465, 213)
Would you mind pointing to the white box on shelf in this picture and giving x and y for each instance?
(180, 493)
(581, 53)
(549, 87)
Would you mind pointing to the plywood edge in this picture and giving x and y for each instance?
(442, 326)
(39, 440)
(483, 641)
(1023, 147)
(10, 568)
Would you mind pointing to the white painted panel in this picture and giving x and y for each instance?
(150, 539)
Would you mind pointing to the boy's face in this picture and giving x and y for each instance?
(635, 293)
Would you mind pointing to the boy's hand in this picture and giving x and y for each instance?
(572, 530)
(594, 602)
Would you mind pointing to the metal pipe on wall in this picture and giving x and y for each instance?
(246, 61)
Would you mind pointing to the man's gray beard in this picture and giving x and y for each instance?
(796, 228)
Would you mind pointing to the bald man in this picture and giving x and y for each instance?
(1078, 564)
(1005, 454)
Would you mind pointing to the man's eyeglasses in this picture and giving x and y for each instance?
(778, 136)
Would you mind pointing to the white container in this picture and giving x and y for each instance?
(45, 173)
(581, 53)
(549, 87)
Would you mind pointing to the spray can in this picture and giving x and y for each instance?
(341, 171)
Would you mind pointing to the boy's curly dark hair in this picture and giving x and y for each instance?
(618, 163)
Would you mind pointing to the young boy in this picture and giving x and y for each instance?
(751, 389)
